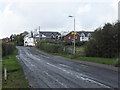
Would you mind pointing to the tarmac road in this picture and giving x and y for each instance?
(48, 71)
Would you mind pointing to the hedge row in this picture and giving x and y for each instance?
(49, 47)
(7, 48)
(64, 43)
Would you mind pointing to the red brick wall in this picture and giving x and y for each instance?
(72, 37)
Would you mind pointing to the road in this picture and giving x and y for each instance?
(48, 71)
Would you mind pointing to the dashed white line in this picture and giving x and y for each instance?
(56, 80)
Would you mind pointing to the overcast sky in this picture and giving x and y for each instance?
(17, 16)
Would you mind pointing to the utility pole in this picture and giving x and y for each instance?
(74, 35)
(39, 33)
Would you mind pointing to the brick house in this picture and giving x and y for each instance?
(70, 37)
(6, 39)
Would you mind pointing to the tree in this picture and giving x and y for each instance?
(104, 42)
(19, 38)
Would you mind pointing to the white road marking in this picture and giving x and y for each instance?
(81, 76)
(44, 56)
(64, 65)
(56, 80)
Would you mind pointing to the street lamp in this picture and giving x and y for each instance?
(39, 34)
(74, 34)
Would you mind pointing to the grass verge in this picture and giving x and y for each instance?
(108, 61)
(15, 75)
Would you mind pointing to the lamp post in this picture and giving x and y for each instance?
(39, 33)
(74, 35)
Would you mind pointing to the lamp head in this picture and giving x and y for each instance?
(70, 16)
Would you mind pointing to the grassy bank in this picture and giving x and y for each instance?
(15, 75)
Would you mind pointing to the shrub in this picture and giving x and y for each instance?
(104, 42)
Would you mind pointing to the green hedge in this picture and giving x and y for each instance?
(50, 47)
(7, 48)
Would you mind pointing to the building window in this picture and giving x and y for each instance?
(56, 37)
(82, 37)
(89, 36)
(69, 37)
(76, 37)
(52, 36)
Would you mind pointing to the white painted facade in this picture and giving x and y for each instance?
(84, 37)
(29, 41)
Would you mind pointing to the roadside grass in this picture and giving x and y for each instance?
(15, 74)
(108, 61)
(80, 48)
(81, 56)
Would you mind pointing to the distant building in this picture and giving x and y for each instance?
(32, 38)
(29, 40)
(6, 39)
(85, 35)
(79, 36)
(47, 35)
(70, 37)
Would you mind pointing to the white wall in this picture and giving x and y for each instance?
(84, 38)
(29, 41)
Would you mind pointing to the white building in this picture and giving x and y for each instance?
(29, 41)
(84, 35)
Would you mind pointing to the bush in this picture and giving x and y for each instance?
(104, 42)
(80, 43)
(7, 48)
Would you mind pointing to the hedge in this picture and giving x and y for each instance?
(7, 48)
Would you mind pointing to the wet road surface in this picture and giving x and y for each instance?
(48, 71)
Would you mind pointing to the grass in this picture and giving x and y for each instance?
(81, 56)
(15, 75)
(108, 61)
(80, 48)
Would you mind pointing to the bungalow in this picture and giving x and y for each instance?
(47, 35)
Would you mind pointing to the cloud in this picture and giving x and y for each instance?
(94, 15)
(84, 9)
(58, 1)
(17, 17)
(10, 21)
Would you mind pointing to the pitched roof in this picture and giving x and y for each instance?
(48, 33)
(85, 32)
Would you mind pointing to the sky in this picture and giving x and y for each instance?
(17, 16)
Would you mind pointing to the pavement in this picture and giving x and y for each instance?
(43, 70)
